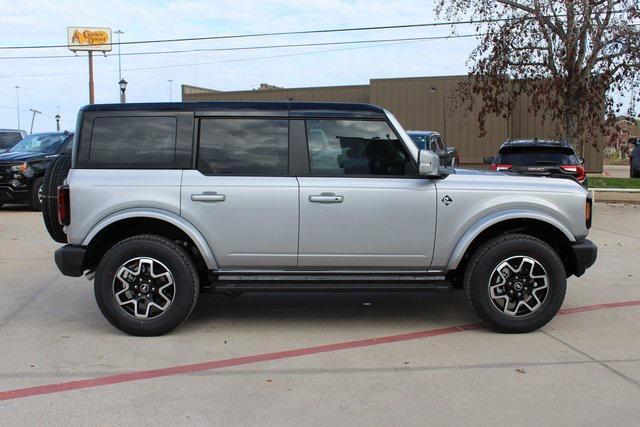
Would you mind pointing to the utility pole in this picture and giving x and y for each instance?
(91, 94)
(170, 90)
(33, 118)
(18, 104)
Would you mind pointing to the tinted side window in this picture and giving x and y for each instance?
(144, 140)
(9, 139)
(356, 147)
(244, 147)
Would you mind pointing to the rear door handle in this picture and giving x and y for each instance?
(208, 197)
(326, 198)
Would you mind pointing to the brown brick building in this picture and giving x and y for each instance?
(420, 103)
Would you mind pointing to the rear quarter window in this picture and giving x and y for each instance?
(133, 140)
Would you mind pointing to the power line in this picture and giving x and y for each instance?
(387, 43)
(259, 47)
(289, 33)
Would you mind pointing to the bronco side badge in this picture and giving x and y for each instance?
(447, 200)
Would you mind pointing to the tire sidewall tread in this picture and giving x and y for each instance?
(483, 262)
(174, 257)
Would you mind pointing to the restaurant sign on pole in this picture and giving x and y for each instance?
(89, 39)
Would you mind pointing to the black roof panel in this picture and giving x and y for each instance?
(282, 108)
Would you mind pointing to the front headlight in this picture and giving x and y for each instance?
(19, 168)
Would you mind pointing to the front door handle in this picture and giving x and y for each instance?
(208, 196)
(326, 198)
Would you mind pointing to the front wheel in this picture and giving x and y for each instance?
(35, 199)
(515, 283)
(146, 285)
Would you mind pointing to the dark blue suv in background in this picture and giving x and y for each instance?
(23, 166)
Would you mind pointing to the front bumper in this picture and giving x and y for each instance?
(584, 255)
(70, 260)
(11, 194)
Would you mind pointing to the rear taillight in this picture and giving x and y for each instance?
(64, 211)
(500, 167)
(578, 170)
(588, 210)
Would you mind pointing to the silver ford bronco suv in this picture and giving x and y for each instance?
(160, 202)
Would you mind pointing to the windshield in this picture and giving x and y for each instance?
(8, 139)
(537, 156)
(419, 140)
(47, 143)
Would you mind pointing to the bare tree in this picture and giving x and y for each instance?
(570, 57)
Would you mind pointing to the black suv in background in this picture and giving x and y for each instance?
(554, 159)
(23, 166)
(430, 140)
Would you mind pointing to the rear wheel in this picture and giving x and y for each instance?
(146, 285)
(515, 283)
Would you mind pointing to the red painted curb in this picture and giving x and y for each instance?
(225, 363)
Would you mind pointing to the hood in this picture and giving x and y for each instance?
(21, 156)
(500, 181)
(459, 171)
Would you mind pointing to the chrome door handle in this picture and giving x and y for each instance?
(208, 197)
(326, 198)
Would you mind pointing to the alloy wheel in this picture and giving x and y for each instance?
(518, 286)
(144, 287)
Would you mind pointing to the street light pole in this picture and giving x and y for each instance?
(58, 122)
(170, 90)
(119, 32)
(33, 118)
(18, 104)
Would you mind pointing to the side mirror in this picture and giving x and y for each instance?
(428, 163)
(581, 160)
(488, 160)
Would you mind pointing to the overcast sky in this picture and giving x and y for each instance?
(52, 85)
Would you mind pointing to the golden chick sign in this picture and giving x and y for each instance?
(89, 38)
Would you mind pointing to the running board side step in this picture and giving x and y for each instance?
(314, 281)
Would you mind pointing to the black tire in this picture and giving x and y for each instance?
(53, 178)
(34, 198)
(488, 257)
(176, 260)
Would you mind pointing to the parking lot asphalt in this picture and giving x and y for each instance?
(314, 359)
